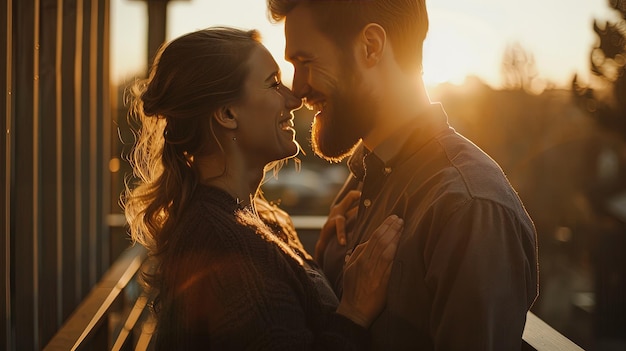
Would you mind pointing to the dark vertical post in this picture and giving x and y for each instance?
(53, 182)
(6, 148)
(50, 210)
(157, 26)
(24, 202)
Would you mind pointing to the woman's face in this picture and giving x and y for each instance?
(264, 115)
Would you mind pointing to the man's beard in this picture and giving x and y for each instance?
(335, 134)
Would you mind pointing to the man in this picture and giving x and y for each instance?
(465, 272)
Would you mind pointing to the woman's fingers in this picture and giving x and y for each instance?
(341, 217)
(347, 202)
(351, 217)
(340, 227)
(377, 247)
(384, 237)
(342, 222)
(367, 273)
(327, 231)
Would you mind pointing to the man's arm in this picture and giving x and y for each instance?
(481, 269)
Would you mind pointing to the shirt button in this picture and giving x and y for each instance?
(367, 202)
(387, 170)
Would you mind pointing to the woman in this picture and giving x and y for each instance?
(231, 273)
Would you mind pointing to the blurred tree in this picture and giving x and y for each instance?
(605, 100)
(519, 69)
(605, 96)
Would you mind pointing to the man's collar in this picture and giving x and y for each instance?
(356, 161)
(418, 130)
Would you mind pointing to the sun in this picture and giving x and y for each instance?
(458, 46)
(444, 61)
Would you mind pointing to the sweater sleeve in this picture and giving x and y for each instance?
(250, 297)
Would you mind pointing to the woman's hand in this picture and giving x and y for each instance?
(341, 217)
(366, 275)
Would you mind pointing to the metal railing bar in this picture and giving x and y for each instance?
(537, 334)
(543, 337)
(131, 321)
(93, 308)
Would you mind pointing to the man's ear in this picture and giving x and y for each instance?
(226, 118)
(373, 40)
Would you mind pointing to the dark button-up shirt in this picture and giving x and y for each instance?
(465, 272)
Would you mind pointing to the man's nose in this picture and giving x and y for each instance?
(301, 87)
(292, 102)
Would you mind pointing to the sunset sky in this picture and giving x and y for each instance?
(466, 37)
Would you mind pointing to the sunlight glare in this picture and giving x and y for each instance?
(458, 46)
(466, 37)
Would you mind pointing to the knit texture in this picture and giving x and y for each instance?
(228, 283)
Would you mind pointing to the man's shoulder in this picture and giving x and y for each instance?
(453, 166)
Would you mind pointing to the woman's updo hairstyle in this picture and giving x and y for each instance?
(192, 77)
(195, 75)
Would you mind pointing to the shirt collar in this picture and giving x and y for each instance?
(416, 131)
(357, 160)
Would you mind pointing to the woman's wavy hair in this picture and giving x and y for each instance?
(171, 111)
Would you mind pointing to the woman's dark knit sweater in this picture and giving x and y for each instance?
(229, 285)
